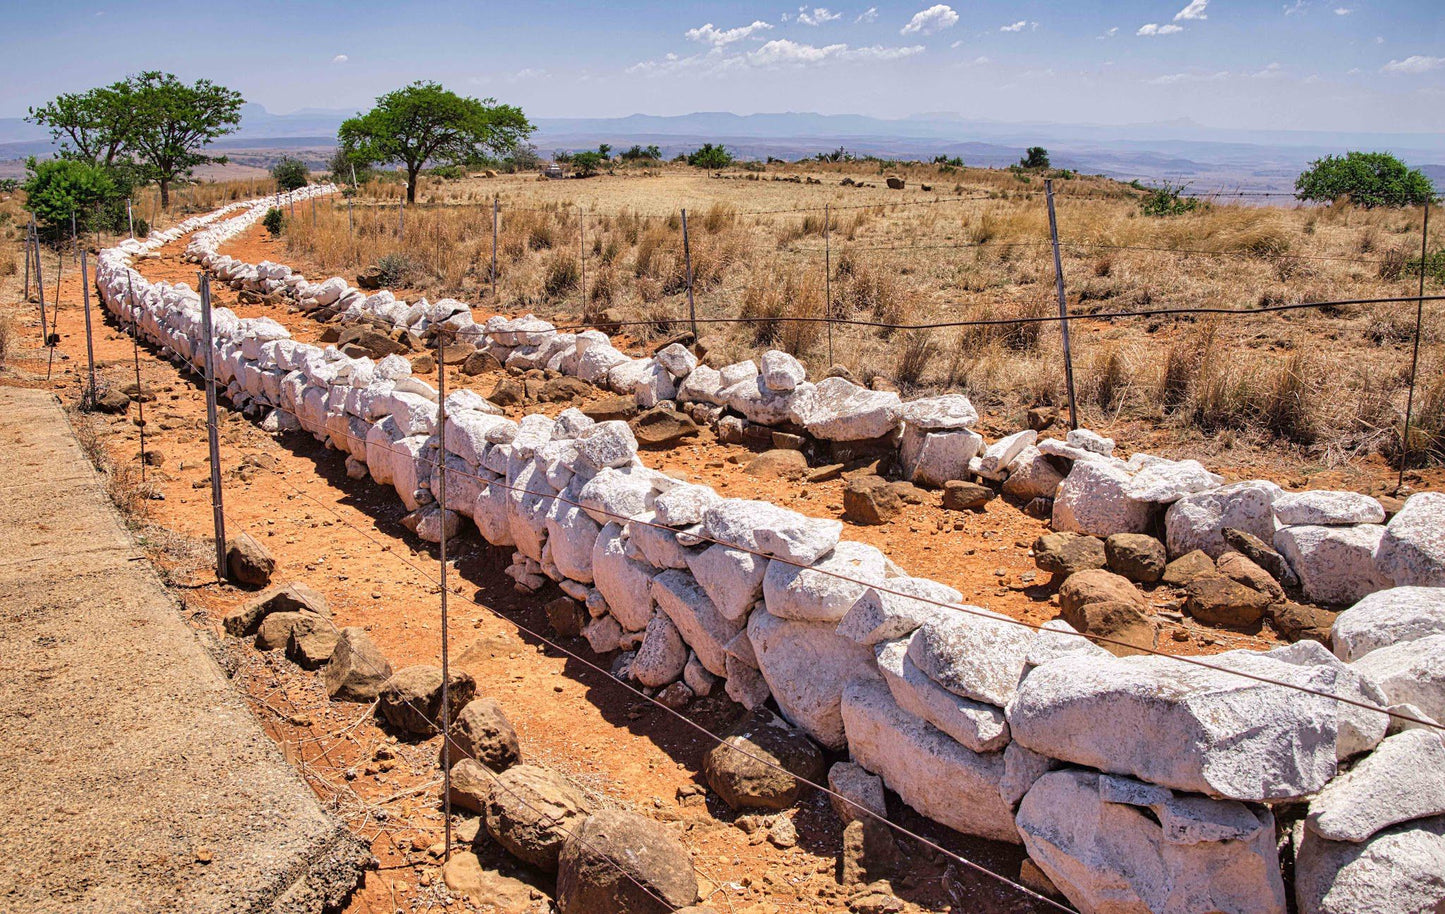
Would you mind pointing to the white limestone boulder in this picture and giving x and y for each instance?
(1197, 521)
(677, 359)
(836, 409)
(704, 629)
(932, 458)
(607, 444)
(684, 505)
(731, 578)
(617, 494)
(1412, 551)
(1388, 617)
(624, 582)
(1328, 508)
(1093, 500)
(1031, 475)
(1397, 871)
(934, 774)
(759, 403)
(825, 591)
(807, 665)
(1167, 481)
(978, 726)
(662, 655)
(780, 371)
(1409, 672)
(897, 607)
(1335, 565)
(768, 528)
(1403, 779)
(572, 536)
(702, 385)
(973, 653)
(997, 456)
(949, 411)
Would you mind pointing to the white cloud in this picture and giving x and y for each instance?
(868, 15)
(1343, 11)
(1110, 32)
(1353, 71)
(785, 52)
(340, 58)
(1269, 72)
(1154, 28)
(1416, 63)
(926, 22)
(1195, 10)
(711, 34)
(1018, 26)
(818, 16)
(1297, 7)
(980, 61)
(1171, 78)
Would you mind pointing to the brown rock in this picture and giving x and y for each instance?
(744, 768)
(910, 493)
(356, 669)
(778, 464)
(411, 700)
(788, 441)
(370, 278)
(489, 889)
(869, 852)
(248, 562)
(296, 596)
(507, 392)
(1042, 417)
(896, 183)
(1067, 553)
(1262, 554)
(110, 400)
(313, 640)
(275, 630)
(1189, 567)
(1136, 556)
(1218, 600)
(1125, 623)
(424, 364)
(481, 732)
(1299, 622)
(1237, 567)
(479, 363)
(868, 500)
(566, 616)
(609, 408)
(621, 863)
(471, 785)
(966, 496)
(662, 427)
(564, 389)
(368, 342)
(1097, 586)
(530, 811)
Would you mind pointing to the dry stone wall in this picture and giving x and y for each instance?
(1137, 783)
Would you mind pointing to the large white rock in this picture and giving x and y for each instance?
(684, 504)
(655, 544)
(1403, 779)
(934, 774)
(662, 656)
(806, 665)
(704, 629)
(527, 502)
(1197, 521)
(731, 578)
(1328, 508)
(490, 512)
(624, 582)
(1412, 551)
(768, 528)
(1167, 481)
(655, 385)
(980, 727)
(836, 409)
(1090, 440)
(573, 537)
(896, 608)
(1227, 735)
(737, 372)
(1092, 499)
(702, 385)
(677, 359)
(949, 411)
(781, 372)
(760, 403)
(617, 495)
(1031, 475)
(932, 458)
(607, 444)
(1335, 565)
(1398, 871)
(1002, 452)
(1388, 617)
(1117, 846)
(825, 591)
(974, 653)
(1409, 673)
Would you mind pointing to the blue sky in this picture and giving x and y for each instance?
(1365, 65)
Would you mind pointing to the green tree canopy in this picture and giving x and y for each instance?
(1035, 157)
(710, 157)
(1368, 178)
(587, 164)
(57, 189)
(424, 122)
(97, 126)
(290, 173)
(174, 121)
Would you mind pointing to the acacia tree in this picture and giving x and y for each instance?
(174, 121)
(95, 126)
(1369, 179)
(710, 158)
(424, 122)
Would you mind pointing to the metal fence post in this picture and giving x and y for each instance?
(828, 279)
(218, 516)
(130, 218)
(1063, 304)
(1415, 353)
(496, 207)
(442, 546)
(687, 259)
(89, 399)
(140, 418)
(582, 253)
(28, 243)
(40, 291)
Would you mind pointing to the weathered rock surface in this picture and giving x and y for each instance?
(1136, 556)
(1412, 551)
(1388, 617)
(807, 665)
(297, 596)
(862, 792)
(1395, 872)
(817, 594)
(662, 656)
(703, 627)
(1167, 481)
(1189, 567)
(411, 700)
(1223, 601)
(464, 875)
(313, 641)
(1197, 521)
(976, 654)
(482, 732)
(1409, 672)
(357, 669)
(869, 500)
(1114, 845)
(1239, 568)
(1031, 476)
(931, 772)
(530, 811)
(981, 727)
(1403, 779)
(1329, 509)
(1065, 553)
(946, 411)
(895, 608)
(839, 410)
(1335, 565)
(1092, 499)
(248, 562)
(617, 862)
(1096, 586)
(744, 768)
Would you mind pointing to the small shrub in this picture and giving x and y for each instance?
(540, 236)
(1168, 200)
(1392, 265)
(275, 221)
(395, 269)
(290, 174)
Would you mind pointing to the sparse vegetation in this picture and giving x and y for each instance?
(1035, 157)
(710, 158)
(274, 221)
(290, 174)
(1367, 179)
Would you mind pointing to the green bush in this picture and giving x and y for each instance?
(1368, 179)
(1035, 157)
(710, 157)
(290, 174)
(57, 189)
(275, 221)
(1168, 201)
(587, 164)
(394, 269)
(448, 172)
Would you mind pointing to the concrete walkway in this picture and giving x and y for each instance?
(133, 777)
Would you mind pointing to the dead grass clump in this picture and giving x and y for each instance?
(6, 334)
(1284, 405)
(870, 291)
(915, 352)
(602, 293)
(719, 216)
(1020, 336)
(1108, 379)
(1427, 420)
(563, 274)
(1181, 365)
(762, 306)
(541, 236)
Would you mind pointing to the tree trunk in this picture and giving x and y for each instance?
(411, 173)
(165, 193)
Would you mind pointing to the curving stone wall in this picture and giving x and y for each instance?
(1137, 783)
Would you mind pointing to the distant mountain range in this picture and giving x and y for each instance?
(1177, 150)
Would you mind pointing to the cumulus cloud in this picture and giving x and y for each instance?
(1269, 72)
(711, 34)
(818, 16)
(1416, 63)
(868, 15)
(926, 22)
(1018, 26)
(1195, 10)
(784, 52)
(340, 58)
(1154, 28)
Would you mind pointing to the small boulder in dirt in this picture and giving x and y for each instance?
(869, 500)
(609, 408)
(869, 852)
(564, 389)
(1064, 554)
(357, 669)
(1219, 600)
(296, 596)
(1123, 623)
(1238, 567)
(110, 400)
(1189, 567)
(313, 640)
(1042, 417)
(852, 784)
(896, 183)
(1301, 622)
(779, 463)
(482, 732)
(567, 617)
(471, 785)
(618, 862)
(488, 889)
(480, 363)
(744, 768)
(661, 427)
(508, 392)
(1262, 554)
(959, 495)
(411, 700)
(530, 811)
(275, 630)
(248, 562)
(1096, 585)
(1136, 556)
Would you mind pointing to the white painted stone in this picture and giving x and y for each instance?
(1412, 551)
(981, 727)
(677, 359)
(1409, 672)
(975, 653)
(836, 409)
(1167, 481)
(1031, 476)
(703, 628)
(1197, 521)
(1328, 508)
(1403, 779)
(1091, 835)
(623, 582)
(662, 656)
(827, 593)
(1092, 499)
(934, 774)
(1002, 452)
(1090, 441)
(1335, 565)
(932, 458)
(731, 578)
(890, 611)
(607, 444)
(684, 505)
(702, 385)
(806, 665)
(1388, 617)
(1398, 871)
(949, 411)
(615, 495)
(780, 371)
